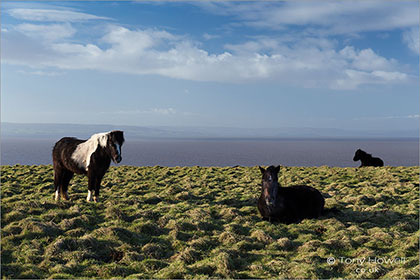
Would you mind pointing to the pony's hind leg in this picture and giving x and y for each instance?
(57, 182)
(65, 184)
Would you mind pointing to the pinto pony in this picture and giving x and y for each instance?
(288, 204)
(91, 157)
(367, 159)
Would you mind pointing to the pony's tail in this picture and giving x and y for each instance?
(333, 210)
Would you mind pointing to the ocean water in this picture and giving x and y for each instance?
(230, 152)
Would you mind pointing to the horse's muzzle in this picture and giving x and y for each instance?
(117, 159)
(270, 203)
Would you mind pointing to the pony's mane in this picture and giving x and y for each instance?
(364, 153)
(83, 151)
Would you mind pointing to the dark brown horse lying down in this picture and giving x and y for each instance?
(367, 159)
(288, 204)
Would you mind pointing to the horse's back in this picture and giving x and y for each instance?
(64, 145)
(377, 161)
(309, 200)
(300, 191)
(372, 161)
(68, 141)
(63, 151)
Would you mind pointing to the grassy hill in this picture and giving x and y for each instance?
(202, 222)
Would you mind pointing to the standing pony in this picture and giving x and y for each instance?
(91, 157)
(367, 159)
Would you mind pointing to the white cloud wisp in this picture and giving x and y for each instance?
(52, 15)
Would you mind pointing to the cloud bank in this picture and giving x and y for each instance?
(307, 59)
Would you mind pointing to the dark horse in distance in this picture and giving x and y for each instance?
(367, 159)
(287, 204)
(91, 157)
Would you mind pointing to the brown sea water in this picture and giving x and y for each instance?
(230, 152)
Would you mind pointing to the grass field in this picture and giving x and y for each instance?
(202, 222)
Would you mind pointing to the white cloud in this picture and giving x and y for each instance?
(413, 116)
(306, 62)
(52, 15)
(41, 73)
(49, 32)
(152, 111)
(329, 17)
(411, 38)
(163, 111)
(136, 41)
(367, 60)
(207, 36)
(352, 79)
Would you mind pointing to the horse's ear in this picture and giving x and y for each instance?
(118, 135)
(277, 169)
(262, 170)
(112, 133)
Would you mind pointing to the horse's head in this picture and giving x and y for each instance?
(358, 155)
(114, 144)
(270, 185)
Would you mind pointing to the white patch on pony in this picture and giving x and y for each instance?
(118, 148)
(57, 195)
(83, 152)
(89, 196)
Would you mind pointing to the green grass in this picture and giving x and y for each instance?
(202, 222)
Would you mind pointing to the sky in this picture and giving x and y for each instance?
(266, 64)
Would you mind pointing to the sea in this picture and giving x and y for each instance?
(230, 152)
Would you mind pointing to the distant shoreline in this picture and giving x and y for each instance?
(84, 131)
(168, 139)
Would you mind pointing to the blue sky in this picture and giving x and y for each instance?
(326, 64)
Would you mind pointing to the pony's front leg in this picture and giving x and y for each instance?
(96, 196)
(57, 194)
(97, 186)
(89, 196)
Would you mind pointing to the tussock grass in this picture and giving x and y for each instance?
(202, 222)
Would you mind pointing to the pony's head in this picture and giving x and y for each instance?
(114, 143)
(270, 185)
(358, 155)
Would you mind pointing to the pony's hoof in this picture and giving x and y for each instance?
(65, 196)
(96, 199)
